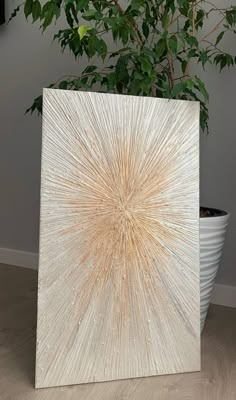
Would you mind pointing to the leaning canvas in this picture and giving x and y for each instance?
(118, 291)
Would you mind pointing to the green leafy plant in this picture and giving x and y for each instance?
(138, 47)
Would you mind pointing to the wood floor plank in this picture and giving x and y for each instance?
(216, 381)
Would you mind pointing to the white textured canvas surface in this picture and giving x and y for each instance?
(118, 293)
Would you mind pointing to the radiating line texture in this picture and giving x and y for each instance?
(119, 238)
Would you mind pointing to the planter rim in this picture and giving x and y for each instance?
(221, 213)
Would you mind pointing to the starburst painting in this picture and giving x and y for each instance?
(118, 293)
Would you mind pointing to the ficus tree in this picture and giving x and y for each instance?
(138, 47)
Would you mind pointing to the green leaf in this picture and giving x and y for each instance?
(37, 105)
(48, 19)
(160, 48)
(171, 5)
(224, 59)
(81, 4)
(150, 53)
(28, 8)
(69, 16)
(111, 80)
(89, 69)
(180, 87)
(203, 57)
(146, 65)
(183, 65)
(49, 10)
(124, 34)
(57, 8)
(75, 44)
(229, 18)
(217, 58)
(122, 72)
(199, 19)
(189, 83)
(63, 85)
(138, 76)
(192, 40)
(192, 53)
(114, 10)
(92, 14)
(145, 29)
(92, 42)
(173, 44)
(137, 4)
(36, 10)
(187, 25)
(166, 88)
(47, 7)
(84, 80)
(82, 30)
(184, 8)
(181, 3)
(97, 77)
(201, 87)
(219, 37)
(165, 21)
(229, 60)
(74, 13)
(102, 48)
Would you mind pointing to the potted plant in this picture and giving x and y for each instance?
(146, 48)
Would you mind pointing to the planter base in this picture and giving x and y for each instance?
(212, 237)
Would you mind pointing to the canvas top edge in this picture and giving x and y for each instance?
(74, 92)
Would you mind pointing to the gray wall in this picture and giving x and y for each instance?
(218, 151)
(218, 161)
(28, 62)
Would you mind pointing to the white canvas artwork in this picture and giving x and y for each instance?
(118, 292)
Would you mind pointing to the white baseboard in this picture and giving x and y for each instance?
(19, 258)
(223, 295)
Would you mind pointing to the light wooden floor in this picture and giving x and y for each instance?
(216, 381)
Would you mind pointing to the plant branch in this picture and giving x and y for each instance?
(175, 19)
(186, 71)
(65, 77)
(73, 77)
(216, 8)
(171, 66)
(212, 30)
(193, 18)
(132, 25)
(212, 45)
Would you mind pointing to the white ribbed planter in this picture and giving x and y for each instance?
(212, 236)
